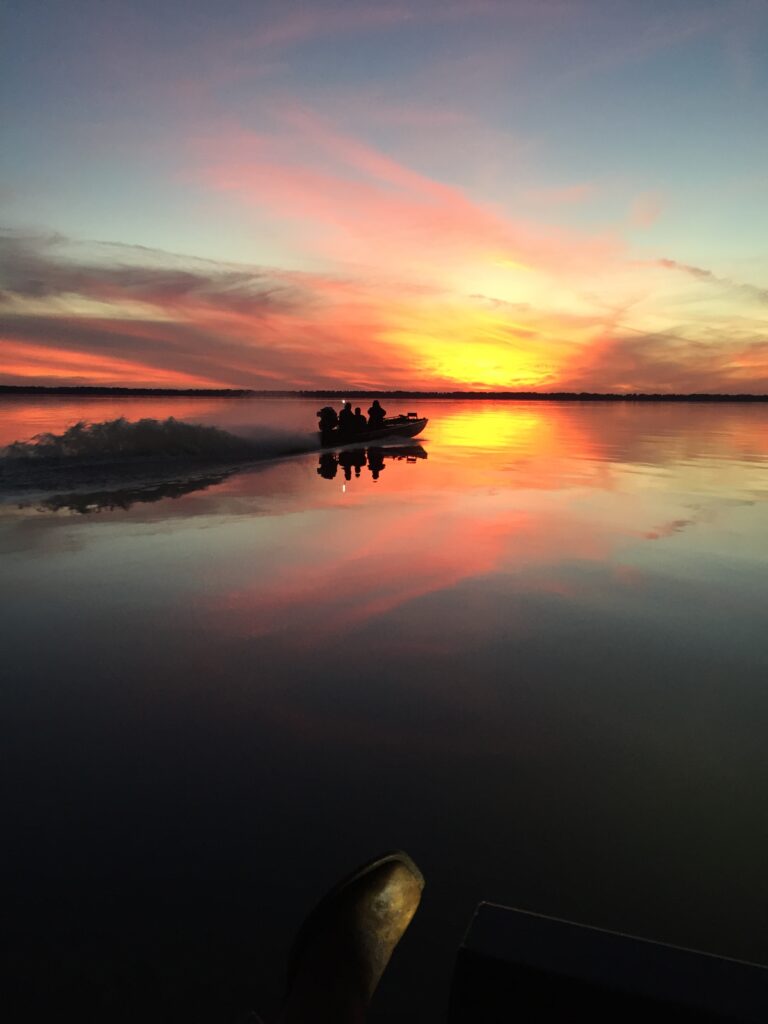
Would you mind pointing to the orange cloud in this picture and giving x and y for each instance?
(250, 327)
(423, 288)
(668, 363)
(29, 362)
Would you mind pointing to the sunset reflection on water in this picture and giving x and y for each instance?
(532, 652)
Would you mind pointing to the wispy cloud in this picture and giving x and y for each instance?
(663, 362)
(646, 209)
(561, 194)
(130, 314)
(702, 274)
(178, 323)
(356, 204)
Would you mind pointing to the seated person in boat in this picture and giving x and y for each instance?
(346, 419)
(376, 416)
(328, 419)
(360, 421)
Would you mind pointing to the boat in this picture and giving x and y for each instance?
(394, 426)
(411, 452)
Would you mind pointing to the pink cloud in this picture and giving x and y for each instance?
(397, 563)
(355, 204)
(646, 209)
(561, 195)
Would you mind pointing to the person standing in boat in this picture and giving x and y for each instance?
(376, 415)
(346, 419)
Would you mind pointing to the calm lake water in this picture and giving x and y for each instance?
(531, 650)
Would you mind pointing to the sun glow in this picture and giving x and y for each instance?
(483, 365)
(490, 426)
(466, 347)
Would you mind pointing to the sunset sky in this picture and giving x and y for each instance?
(501, 194)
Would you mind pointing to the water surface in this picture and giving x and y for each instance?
(530, 650)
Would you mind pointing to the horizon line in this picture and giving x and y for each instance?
(163, 392)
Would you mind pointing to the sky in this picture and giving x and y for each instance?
(466, 194)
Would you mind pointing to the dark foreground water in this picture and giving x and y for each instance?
(533, 652)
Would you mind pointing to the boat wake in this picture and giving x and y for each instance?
(119, 450)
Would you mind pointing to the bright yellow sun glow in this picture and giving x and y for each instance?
(483, 365)
(473, 348)
(490, 426)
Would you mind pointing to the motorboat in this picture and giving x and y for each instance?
(394, 426)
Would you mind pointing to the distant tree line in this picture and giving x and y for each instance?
(84, 391)
(512, 396)
(338, 393)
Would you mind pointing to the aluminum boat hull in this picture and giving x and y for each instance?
(400, 427)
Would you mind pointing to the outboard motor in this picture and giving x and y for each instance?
(329, 419)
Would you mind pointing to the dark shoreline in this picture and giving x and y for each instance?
(336, 393)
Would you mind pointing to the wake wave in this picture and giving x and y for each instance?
(150, 438)
(125, 448)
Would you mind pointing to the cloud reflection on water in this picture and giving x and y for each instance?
(507, 492)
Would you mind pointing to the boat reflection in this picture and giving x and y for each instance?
(374, 458)
(121, 499)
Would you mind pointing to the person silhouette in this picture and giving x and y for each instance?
(360, 421)
(376, 415)
(347, 461)
(346, 419)
(375, 462)
(328, 466)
